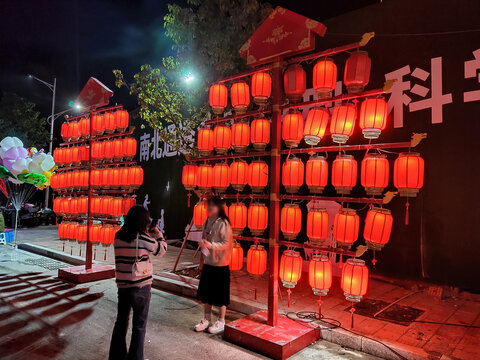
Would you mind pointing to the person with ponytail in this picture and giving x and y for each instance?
(214, 286)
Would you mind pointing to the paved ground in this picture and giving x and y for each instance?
(42, 317)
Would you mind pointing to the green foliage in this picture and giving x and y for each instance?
(2, 223)
(19, 118)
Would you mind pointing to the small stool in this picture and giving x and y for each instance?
(3, 239)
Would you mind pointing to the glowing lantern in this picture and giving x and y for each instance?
(82, 205)
(260, 134)
(222, 139)
(84, 179)
(374, 173)
(344, 173)
(357, 72)
(124, 178)
(95, 230)
(68, 156)
(373, 117)
(292, 174)
(109, 151)
(68, 180)
(320, 274)
(256, 260)
(110, 125)
(221, 177)
(64, 131)
(316, 174)
(98, 125)
(408, 172)
(292, 129)
(257, 218)
(74, 130)
(81, 233)
(238, 174)
(290, 270)
(127, 203)
(95, 203)
(240, 137)
(290, 221)
(236, 261)
(98, 151)
(84, 153)
(105, 204)
(205, 177)
(237, 214)
(76, 179)
(121, 120)
(116, 207)
(218, 98)
(315, 125)
(59, 156)
(200, 214)
(378, 226)
(342, 123)
(354, 279)
(257, 175)
(261, 87)
(84, 124)
(294, 82)
(96, 177)
(113, 178)
(189, 176)
(345, 227)
(75, 155)
(62, 230)
(205, 141)
(240, 96)
(117, 149)
(317, 225)
(129, 148)
(324, 77)
(135, 177)
(104, 177)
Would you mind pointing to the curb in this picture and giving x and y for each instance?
(52, 254)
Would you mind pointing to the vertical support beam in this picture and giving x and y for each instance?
(274, 193)
(89, 255)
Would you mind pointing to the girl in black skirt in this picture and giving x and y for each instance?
(214, 286)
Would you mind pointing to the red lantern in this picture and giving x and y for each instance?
(98, 151)
(294, 82)
(256, 260)
(354, 279)
(116, 207)
(290, 270)
(345, 227)
(320, 274)
(62, 230)
(205, 177)
(113, 178)
(84, 154)
(316, 174)
(257, 175)
(96, 178)
(408, 172)
(257, 218)
(343, 123)
(129, 148)
(240, 96)
(82, 205)
(378, 226)
(218, 98)
(95, 203)
(110, 125)
(124, 178)
(74, 130)
(81, 233)
(121, 120)
(205, 141)
(84, 179)
(292, 174)
(76, 179)
(221, 177)
(292, 129)
(238, 174)
(98, 124)
(59, 156)
(344, 173)
(374, 173)
(357, 72)
(373, 117)
(200, 214)
(240, 137)
(260, 134)
(222, 139)
(109, 151)
(68, 156)
(127, 203)
(290, 221)
(237, 214)
(315, 125)
(64, 131)
(75, 155)
(105, 205)
(135, 175)
(189, 176)
(236, 261)
(261, 87)
(324, 77)
(317, 225)
(117, 149)
(84, 124)
(95, 233)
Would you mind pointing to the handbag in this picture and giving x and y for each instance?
(141, 268)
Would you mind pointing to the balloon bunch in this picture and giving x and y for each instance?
(22, 165)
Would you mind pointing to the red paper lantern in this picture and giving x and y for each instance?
(205, 141)
(240, 96)
(258, 175)
(345, 227)
(135, 176)
(81, 233)
(378, 226)
(290, 221)
(96, 178)
(189, 176)
(240, 137)
(373, 117)
(354, 279)
(260, 134)
(84, 124)
(84, 153)
(110, 124)
(237, 214)
(113, 178)
(374, 173)
(121, 120)
(257, 218)
(95, 233)
(315, 125)
(116, 207)
(238, 174)
(82, 205)
(294, 82)
(98, 124)
(218, 98)
(124, 181)
(74, 131)
(292, 174)
(344, 173)
(222, 139)
(105, 205)
(117, 149)
(261, 87)
(98, 151)
(62, 230)
(129, 148)
(127, 203)
(320, 274)
(64, 133)
(317, 225)
(343, 123)
(205, 177)
(324, 77)
(221, 177)
(292, 129)
(59, 156)
(95, 204)
(76, 179)
(316, 174)
(109, 151)
(256, 260)
(68, 156)
(236, 261)
(290, 270)
(408, 173)
(357, 72)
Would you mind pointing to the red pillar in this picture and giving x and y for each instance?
(88, 252)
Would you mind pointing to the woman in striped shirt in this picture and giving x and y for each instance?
(133, 271)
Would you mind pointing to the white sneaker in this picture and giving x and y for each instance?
(202, 325)
(216, 328)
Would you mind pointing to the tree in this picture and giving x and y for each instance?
(207, 35)
(19, 118)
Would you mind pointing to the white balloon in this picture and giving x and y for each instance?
(47, 163)
(21, 165)
(9, 142)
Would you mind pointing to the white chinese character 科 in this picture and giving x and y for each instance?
(144, 147)
(471, 67)
(397, 96)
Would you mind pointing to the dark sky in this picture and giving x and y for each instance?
(75, 39)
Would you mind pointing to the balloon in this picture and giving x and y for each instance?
(11, 155)
(32, 178)
(5, 173)
(32, 151)
(8, 143)
(41, 162)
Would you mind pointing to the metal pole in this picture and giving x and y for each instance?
(88, 250)
(50, 145)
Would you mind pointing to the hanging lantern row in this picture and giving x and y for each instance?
(75, 156)
(99, 234)
(102, 206)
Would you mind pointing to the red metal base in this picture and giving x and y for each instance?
(279, 342)
(78, 274)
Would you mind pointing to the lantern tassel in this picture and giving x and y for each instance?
(289, 292)
(80, 251)
(374, 261)
(71, 250)
(63, 247)
(320, 308)
(407, 205)
(352, 310)
(189, 195)
(94, 253)
(105, 257)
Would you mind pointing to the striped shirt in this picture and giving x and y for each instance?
(125, 258)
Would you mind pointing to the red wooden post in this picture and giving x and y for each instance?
(88, 250)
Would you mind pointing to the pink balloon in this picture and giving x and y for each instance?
(12, 155)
